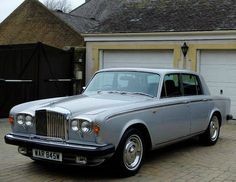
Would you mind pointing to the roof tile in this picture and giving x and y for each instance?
(137, 16)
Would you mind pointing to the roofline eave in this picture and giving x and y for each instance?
(216, 32)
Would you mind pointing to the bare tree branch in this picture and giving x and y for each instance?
(62, 5)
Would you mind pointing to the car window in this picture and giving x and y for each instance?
(171, 86)
(152, 84)
(125, 81)
(102, 82)
(191, 85)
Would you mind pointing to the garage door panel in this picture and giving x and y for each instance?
(218, 62)
(137, 58)
(125, 65)
(228, 85)
(217, 73)
(227, 91)
(219, 70)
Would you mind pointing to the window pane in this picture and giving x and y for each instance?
(102, 82)
(191, 85)
(171, 86)
(124, 81)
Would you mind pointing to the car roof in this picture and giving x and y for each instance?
(159, 71)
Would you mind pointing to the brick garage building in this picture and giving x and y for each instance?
(32, 22)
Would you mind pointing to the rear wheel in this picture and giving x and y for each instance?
(212, 133)
(130, 153)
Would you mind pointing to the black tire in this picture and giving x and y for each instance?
(130, 153)
(211, 135)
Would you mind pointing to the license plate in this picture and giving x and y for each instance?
(42, 154)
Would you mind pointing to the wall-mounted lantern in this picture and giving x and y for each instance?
(184, 49)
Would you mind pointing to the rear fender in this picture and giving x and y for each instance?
(215, 110)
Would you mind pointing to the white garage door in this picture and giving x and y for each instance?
(219, 70)
(137, 59)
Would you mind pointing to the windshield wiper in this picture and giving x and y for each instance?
(111, 92)
(141, 93)
(134, 93)
(117, 92)
(124, 92)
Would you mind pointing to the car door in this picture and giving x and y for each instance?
(199, 104)
(173, 119)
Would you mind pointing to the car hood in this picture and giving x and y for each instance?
(96, 103)
(82, 104)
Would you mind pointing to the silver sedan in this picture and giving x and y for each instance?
(120, 116)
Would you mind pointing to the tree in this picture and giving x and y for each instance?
(62, 5)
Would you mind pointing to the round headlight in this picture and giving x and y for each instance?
(85, 126)
(28, 120)
(74, 125)
(20, 119)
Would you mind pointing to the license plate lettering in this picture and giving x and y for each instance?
(40, 153)
(55, 156)
(52, 155)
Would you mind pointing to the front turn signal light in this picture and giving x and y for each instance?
(11, 119)
(96, 129)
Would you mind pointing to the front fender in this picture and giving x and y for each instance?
(131, 123)
(114, 128)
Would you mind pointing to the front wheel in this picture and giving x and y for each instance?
(211, 135)
(130, 153)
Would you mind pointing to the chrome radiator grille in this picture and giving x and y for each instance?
(51, 124)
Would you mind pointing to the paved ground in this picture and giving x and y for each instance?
(186, 161)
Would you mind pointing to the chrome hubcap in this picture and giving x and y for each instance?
(214, 128)
(133, 152)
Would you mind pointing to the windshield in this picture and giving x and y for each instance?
(124, 82)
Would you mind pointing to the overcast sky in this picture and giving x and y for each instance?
(7, 6)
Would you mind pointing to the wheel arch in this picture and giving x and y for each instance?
(133, 127)
(141, 126)
(218, 114)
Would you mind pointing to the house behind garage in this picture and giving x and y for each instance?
(150, 33)
(32, 22)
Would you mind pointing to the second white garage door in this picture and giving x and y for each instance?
(137, 59)
(219, 70)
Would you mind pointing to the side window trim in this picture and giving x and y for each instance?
(200, 85)
(197, 84)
